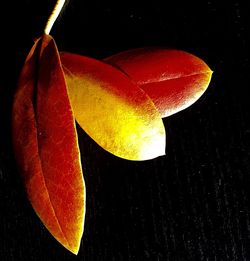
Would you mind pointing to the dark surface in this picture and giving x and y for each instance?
(193, 203)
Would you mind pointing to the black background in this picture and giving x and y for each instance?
(193, 203)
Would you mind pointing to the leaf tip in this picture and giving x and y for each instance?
(74, 250)
(155, 148)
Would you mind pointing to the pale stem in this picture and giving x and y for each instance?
(54, 15)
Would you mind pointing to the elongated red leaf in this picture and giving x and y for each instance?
(116, 113)
(173, 79)
(45, 145)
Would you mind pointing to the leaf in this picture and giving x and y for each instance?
(173, 79)
(116, 113)
(45, 145)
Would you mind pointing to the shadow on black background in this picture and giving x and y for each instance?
(193, 203)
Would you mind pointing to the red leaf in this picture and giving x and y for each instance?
(45, 145)
(173, 79)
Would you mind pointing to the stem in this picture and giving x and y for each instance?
(57, 9)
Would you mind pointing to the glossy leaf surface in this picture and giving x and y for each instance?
(116, 113)
(45, 145)
(173, 79)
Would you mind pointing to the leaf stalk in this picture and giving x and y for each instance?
(55, 13)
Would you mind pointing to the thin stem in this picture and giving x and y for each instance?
(54, 15)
